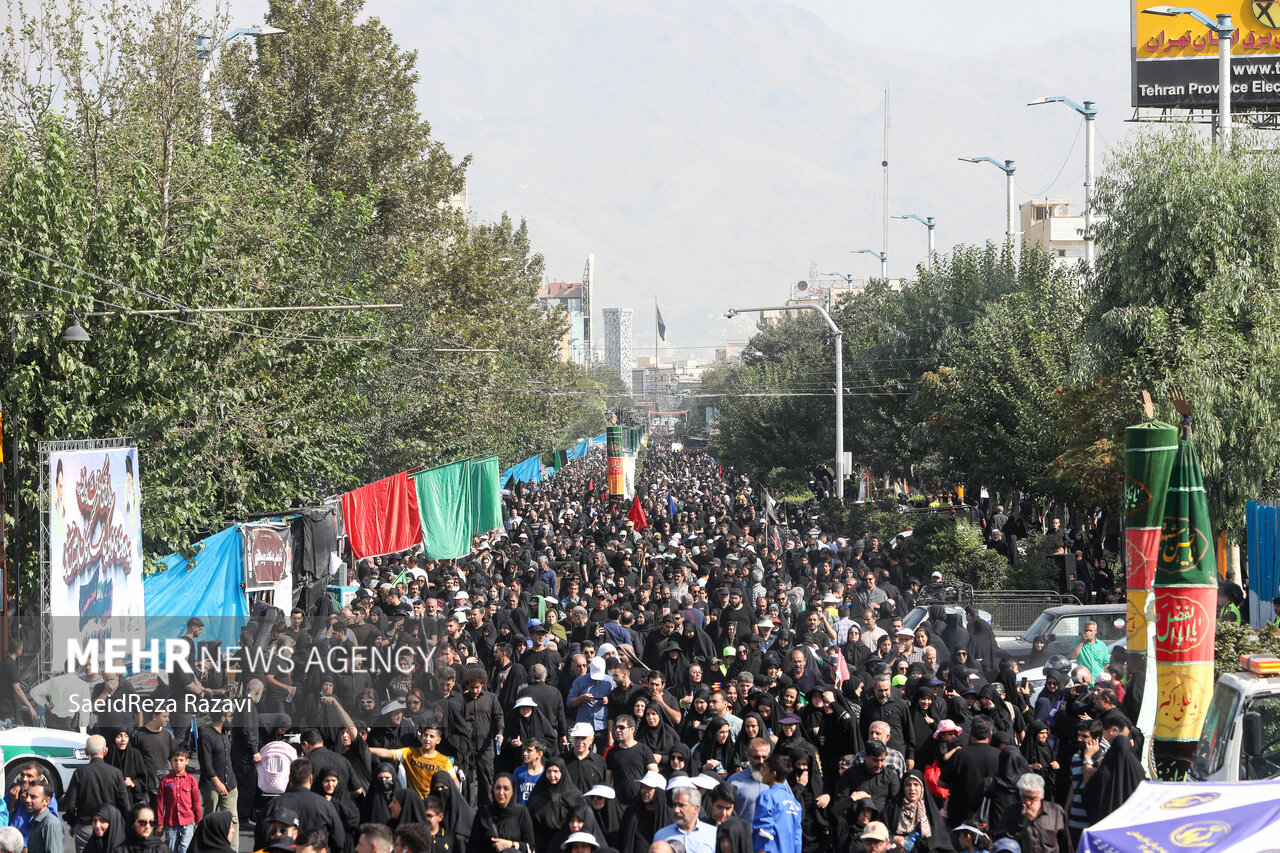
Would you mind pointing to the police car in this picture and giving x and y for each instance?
(58, 752)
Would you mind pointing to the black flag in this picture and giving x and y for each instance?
(662, 327)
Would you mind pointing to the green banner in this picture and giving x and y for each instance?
(486, 494)
(446, 509)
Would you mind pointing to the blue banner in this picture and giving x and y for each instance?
(207, 586)
(528, 471)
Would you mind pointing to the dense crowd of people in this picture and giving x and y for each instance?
(703, 672)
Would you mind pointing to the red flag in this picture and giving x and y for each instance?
(591, 484)
(637, 514)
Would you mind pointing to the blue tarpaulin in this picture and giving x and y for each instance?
(580, 449)
(207, 586)
(528, 471)
(1261, 519)
(599, 439)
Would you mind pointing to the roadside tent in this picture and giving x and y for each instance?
(1235, 817)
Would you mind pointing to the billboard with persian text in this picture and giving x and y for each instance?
(1175, 59)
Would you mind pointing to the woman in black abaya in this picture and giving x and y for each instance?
(550, 801)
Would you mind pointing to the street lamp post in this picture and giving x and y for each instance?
(207, 50)
(884, 260)
(839, 378)
(928, 222)
(1090, 112)
(1007, 167)
(1224, 29)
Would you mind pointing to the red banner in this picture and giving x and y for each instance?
(1141, 550)
(382, 517)
(1185, 623)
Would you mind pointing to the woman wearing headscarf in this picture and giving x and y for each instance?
(695, 717)
(752, 727)
(992, 705)
(608, 814)
(213, 834)
(459, 815)
(107, 825)
(580, 818)
(1038, 752)
(1003, 787)
(716, 749)
(791, 734)
(525, 723)
(503, 825)
(672, 663)
(141, 834)
(982, 643)
(806, 786)
(924, 717)
(955, 635)
(655, 732)
(331, 789)
(677, 762)
(388, 802)
(913, 814)
(643, 818)
(130, 762)
(550, 801)
(1118, 775)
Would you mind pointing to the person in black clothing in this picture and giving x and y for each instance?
(95, 783)
(217, 777)
(311, 809)
(873, 780)
(324, 759)
(965, 770)
(504, 826)
(156, 743)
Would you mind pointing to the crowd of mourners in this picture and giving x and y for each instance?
(723, 675)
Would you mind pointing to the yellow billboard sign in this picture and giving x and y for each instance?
(1257, 32)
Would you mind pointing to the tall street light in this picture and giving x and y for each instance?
(1011, 228)
(1090, 112)
(733, 312)
(207, 50)
(884, 260)
(928, 222)
(1223, 28)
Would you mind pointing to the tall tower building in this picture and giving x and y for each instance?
(617, 341)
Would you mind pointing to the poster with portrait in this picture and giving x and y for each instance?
(95, 548)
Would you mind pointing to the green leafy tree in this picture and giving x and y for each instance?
(1184, 294)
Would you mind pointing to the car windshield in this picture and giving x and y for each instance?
(1267, 764)
(1041, 626)
(1212, 748)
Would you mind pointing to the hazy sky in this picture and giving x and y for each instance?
(477, 86)
(969, 27)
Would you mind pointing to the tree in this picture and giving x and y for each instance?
(1184, 294)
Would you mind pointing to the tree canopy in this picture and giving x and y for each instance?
(322, 186)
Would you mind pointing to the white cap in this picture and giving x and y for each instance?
(582, 730)
(526, 702)
(654, 779)
(680, 782)
(601, 791)
(597, 669)
(705, 781)
(460, 594)
(580, 838)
